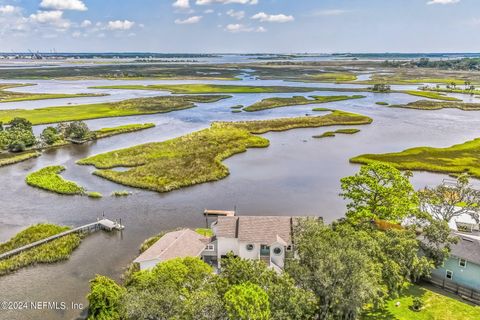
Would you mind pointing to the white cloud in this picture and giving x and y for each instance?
(208, 11)
(204, 2)
(54, 18)
(329, 12)
(181, 4)
(262, 16)
(239, 15)
(237, 27)
(443, 1)
(190, 20)
(77, 5)
(120, 25)
(86, 23)
(8, 9)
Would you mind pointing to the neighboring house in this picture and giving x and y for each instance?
(251, 237)
(464, 223)
(463, 266)
(176, 244)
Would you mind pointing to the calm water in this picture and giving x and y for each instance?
(296, 175)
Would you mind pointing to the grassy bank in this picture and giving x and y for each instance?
(49, 179)
(461, 91)
(431, 95)
(332, 77)
(108, 132)
(209, 88)
(105, 110)
(12, 158)
(333, 133)
(271, 103)
(10, 96)
(56, 250)
(436, 307)
(197, 157)
(456, 159)
(437, 105)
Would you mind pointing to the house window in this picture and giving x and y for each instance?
(462, 263)
(449, 275)
(250, 247)
(277, 251)
(210, 247)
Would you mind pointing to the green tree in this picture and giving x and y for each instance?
(337, 268)
(247, 301)
(77, 130)
(20, 123)
(379, 191)
(287, 301)
(445, 202)
(50, 135)
(104, 298)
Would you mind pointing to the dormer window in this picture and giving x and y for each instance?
(210, 247)
(462, 263)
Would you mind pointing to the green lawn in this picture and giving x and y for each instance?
(204, 232)
(436, 307)
(197, 157)
(210, 88)
(271, 103)
(456, 159)
(130, 107)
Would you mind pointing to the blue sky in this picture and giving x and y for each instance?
(240, 25)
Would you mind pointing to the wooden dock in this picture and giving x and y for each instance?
(103, 224)
(218, 213)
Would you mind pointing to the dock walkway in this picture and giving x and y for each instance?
(104, 224)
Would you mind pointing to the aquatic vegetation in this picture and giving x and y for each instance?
(381, 103)
(122, 193)
(12, 158)
(333, 133)
(197, 157)
(431, 95)
(108, 132)
(457, 159)
(50, 252)
(49, 179)
(94, 195)
(270, 103)
(236, 111)
(130, 107)
(332, 77)
(437, 105)
(11, 96)
(210, 88)
(237, 107)
(321, 109)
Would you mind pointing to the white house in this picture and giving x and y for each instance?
(251, 237)
(176, 244)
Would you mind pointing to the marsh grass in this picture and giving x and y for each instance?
(437, 105)
(94, 195)
(271, 103)
(210, 88)
(431, 95)
(153, 105)
(333, 133)
(56, 250)
(381, 103)
(457, 159)
(49, 179)
(11, 96)
(121, 193)
(197, 157)
(108, 132)
(12, 158)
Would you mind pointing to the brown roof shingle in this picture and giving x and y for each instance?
(176, 244)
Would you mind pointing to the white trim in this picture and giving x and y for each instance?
(460, 260)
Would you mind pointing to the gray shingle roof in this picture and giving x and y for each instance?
(176, 244)
(467, 248)
(256, 229)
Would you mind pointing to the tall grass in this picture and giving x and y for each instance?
(197, 157)
(12, 158)
(271, 103)
(56, 250)
(49, 179)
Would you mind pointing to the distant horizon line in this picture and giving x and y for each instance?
(238, 53)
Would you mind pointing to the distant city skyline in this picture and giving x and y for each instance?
(240, 26)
